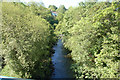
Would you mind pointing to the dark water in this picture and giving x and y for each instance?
(61, 63)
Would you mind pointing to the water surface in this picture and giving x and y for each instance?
(61, 63)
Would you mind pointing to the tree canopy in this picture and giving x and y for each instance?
(27, 40)
(52, 7)
(90, 32)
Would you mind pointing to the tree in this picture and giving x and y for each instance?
(60, 12)
(90, 32)
(52, 7)
(27, 41)
(61, 9)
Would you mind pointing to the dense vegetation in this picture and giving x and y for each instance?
(52, 7)
(27, 40)
(60, 11)
(90, 32)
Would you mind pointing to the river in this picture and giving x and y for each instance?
(60, 62)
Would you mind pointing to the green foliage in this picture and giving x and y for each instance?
(52, 7)
(45, 13)
(7, 71)
(61, 9)
(90, 32)
(27, 40)
(60, 12)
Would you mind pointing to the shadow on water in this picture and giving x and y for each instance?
(61, 63)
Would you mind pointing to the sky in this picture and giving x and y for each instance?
(66, 3)
(57, 3)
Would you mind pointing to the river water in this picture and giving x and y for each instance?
(60, 62)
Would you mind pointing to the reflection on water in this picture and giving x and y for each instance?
(61, 63)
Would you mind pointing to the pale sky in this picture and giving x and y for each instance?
(66, 3)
